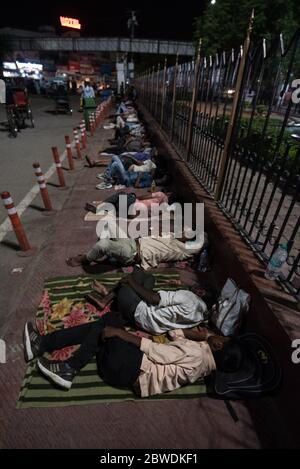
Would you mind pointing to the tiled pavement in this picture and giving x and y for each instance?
(199, 423)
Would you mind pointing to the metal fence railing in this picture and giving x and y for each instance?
(235, 118)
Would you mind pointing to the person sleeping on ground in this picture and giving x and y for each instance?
(128, 121)
(125, 127)
(148, 252)
(154, 312)
(127, 159)
(127, 361)
(136, 175)
(119, 165)
(128, 144)
(138, 203)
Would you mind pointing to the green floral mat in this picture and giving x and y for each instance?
(63, 305)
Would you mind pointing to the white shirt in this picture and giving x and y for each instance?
(88, 92)
(146, 167)
(179, 309)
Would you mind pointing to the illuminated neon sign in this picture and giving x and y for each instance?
(70, 22)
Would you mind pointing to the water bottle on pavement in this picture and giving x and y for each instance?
(153, 186)
(276, 262)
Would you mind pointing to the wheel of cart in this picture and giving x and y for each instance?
(12, 121)
(62, 101)
(30, 117)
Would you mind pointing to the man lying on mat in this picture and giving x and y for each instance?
(127, 361)
(154, 312)
(148, 252)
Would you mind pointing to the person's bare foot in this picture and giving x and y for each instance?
(77, 260)
(102, 289)
(96, 301)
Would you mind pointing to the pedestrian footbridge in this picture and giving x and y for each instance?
(104, 44)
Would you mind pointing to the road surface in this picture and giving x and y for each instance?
(18, 154)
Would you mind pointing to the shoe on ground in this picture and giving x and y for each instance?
(109, 126)
(90, 207)
(32, 342)
(104, 178)
(104, 185)
(58, 372)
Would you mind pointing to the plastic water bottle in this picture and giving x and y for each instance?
(276, 262)
(203, 263)
(153, 186)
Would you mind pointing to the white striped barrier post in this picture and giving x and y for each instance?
(91, 124)
(43, 186)
(83, 134)
(59, 170)
(97, 116)
(17, 225)
(77, 144)
(69, 152)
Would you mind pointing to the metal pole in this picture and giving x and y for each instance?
(149, 90)
(174, 97)
(145, 81)
(234, 112)
(163, 94)
(152, 90)
(193, 103)
(157, 87)
(146, 92)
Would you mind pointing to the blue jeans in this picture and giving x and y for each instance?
(116, 169)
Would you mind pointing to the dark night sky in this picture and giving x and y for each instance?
(157, 19)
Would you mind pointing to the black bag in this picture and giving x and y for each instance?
(258, 372)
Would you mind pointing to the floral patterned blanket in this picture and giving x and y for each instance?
(63, 305)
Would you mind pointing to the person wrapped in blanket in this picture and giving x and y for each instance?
(126, 360)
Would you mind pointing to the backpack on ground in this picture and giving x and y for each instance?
(258, 372)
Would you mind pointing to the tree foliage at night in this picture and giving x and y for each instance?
(223, 25)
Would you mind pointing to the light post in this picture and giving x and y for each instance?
(131, 23)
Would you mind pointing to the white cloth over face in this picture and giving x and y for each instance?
(180, 309)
